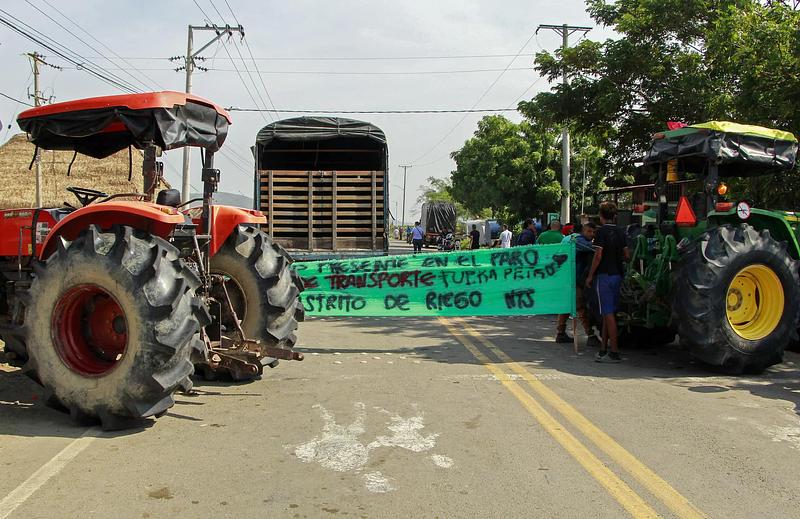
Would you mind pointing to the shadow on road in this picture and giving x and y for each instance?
(530, 342)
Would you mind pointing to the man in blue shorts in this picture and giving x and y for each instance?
(605, 278)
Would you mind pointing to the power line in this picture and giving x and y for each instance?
(205, 15)
(467, 111)
(56, 48)
(352, 72)
(255, 63)
(239, 52)
(233, 62)
(14, 99)
(484, 94)
(358, 58)
(118, 78)
(109, 49)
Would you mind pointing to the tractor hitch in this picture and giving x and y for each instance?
(242, 359)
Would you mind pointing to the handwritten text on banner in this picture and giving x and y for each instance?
(538, 279)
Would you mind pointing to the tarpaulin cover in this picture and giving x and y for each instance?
(318, 129)
(438, 217)
(738, 150)
(103, 128)
(533, 280)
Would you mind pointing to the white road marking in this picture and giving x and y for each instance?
(340, 447)
(28, 487)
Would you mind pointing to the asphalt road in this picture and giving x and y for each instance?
(426, 418)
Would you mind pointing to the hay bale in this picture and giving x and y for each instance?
(18, 185)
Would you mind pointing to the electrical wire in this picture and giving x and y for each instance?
(239, 52)
(207, 18)
(15, 100)
(118, 78)
(233, 62)
(353, 72)
(109, 49)
(356, 58)
(56, 48)
(250, 51)
(483, 95)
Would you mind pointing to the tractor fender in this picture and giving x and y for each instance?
(224, 219)
(158, 220)
(761, 219)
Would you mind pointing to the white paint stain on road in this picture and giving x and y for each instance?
(789, 434)
(377, 482)
(340, 448)
(440, 461)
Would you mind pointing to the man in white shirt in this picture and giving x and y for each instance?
(505, 238)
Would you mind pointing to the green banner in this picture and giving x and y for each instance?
(538, 279)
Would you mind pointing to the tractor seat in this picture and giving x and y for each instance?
(169, 197)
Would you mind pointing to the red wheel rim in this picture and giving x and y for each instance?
(90, 330)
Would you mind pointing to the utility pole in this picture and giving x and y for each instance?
(565, 31)
(405, 171)
(189, 64)
(583, 185)
(36, 60)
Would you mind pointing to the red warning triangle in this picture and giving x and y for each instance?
(684, 216)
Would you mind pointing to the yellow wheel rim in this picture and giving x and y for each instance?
(754, 302)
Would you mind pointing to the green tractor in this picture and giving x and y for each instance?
(705, 265)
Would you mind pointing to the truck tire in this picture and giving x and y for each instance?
(737, 300)
(111, 320)
(264, 291)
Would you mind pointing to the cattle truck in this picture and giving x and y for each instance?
(438, 218)
(322, 185)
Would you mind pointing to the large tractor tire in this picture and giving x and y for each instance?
(737, 300)
(111, 321)
(264, 291)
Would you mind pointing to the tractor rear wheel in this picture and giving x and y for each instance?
(737, 300)
(264, 291)
(111, 320)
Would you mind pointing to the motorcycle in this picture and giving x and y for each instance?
(449, 243)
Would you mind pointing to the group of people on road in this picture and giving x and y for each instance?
(601, 251)
(600, 255)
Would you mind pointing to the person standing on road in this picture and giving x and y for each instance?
(417, 237)
(584, 251)
(396, 233)
(505, 238)
(551, 236)
(605, 277)
(475, 236)
(528, 234)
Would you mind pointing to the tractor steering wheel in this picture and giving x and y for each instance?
(86, 196)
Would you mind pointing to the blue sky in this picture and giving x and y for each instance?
(305, 28)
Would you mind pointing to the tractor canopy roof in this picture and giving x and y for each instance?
(736, 149)
(102, 126)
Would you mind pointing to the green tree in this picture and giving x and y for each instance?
(440, 190)
(508, 168)
(685, 60)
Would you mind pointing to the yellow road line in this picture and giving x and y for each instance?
(644, 475)
(618, 489)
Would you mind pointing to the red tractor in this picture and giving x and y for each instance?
(111, 304)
